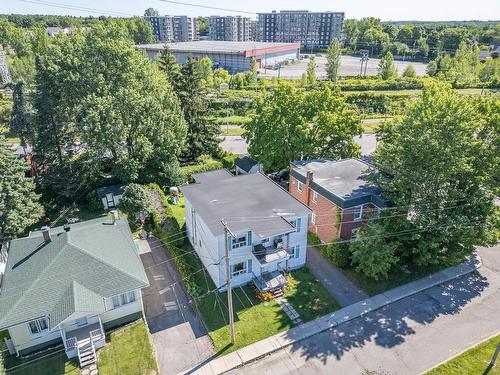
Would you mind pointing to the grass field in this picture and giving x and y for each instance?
(474, 361)
(305, 293)
(231, 130)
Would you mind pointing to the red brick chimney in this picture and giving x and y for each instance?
(309, 179)
(46, 233)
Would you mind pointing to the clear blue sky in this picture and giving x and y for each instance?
(432, 10)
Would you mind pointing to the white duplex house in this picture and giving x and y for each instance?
(69, 285)
(269, 227)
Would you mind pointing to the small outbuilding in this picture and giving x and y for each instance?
(246, 165)
(110, 195)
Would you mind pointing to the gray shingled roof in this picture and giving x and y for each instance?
(246, 202)
(345, 182)
(73, 272)
(245, 162)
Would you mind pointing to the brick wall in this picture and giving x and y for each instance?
(326, 212)
(348, 222)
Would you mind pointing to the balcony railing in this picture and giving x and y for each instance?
(269, 281)
(268, 254)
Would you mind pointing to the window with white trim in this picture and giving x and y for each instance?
(238, 269)
(313, 218)
(123, 299)
(299, 186)
(294, 251)
(239, 241)
(38, 326)
(358, 213)
(315, 197)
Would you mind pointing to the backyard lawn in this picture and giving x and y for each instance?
(473, 361)
(127, 352)
(254, 320)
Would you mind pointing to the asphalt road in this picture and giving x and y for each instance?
(349, 66)
(236, 144)
(406, 337)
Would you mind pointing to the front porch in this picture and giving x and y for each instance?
(270, 281)
(82, 342)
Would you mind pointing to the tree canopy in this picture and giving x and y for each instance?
(19, 207)
(386, 68)
(292, 124)
(438, 166)
(333, 60)
(102, 107)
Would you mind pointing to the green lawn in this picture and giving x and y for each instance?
(52, 362)
(127, 352)
(233, 120)
(306, 294)
(473, 361)
(9, 137)
(231, 130)
(370, 125)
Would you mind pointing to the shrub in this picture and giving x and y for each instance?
(339, 254)
(204, 164)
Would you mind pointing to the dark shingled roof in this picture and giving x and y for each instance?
(115, 189)
(72, 273)
(344, 182)
(245, 162)
(246, 202)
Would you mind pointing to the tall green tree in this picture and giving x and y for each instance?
(169, 66)
(151, 12)
(438, 165)
(20, 122)
(292, 124)
(333, 60)
(136, 202)
(202, 131)
(19, 206)
(386, 68)
(311, 70)
(102, 106)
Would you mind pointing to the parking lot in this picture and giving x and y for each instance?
(349, 66)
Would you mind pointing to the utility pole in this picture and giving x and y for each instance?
(227, 232)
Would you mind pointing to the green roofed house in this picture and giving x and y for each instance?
(70, 284)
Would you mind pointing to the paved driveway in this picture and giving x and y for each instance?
(339, 286)
(406, 337)
(179, 337)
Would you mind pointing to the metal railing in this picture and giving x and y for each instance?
(71, 344)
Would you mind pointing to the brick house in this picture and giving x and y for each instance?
(339, 194)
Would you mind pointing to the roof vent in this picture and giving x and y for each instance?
(46, 233)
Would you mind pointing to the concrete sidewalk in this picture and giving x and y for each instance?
(284, 339)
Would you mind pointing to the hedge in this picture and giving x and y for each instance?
(205, 166)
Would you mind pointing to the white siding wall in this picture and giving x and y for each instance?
(300, 239)
(23, 339)
(207, 246)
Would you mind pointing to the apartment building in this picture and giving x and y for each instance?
(174, 28)
(268, 228)
(338, 192)
(314, 30)
(229, 28)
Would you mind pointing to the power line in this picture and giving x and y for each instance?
(207, 7)
(76, 7)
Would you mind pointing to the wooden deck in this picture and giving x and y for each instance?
(83, 333)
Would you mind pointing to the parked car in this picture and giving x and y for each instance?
(281, 175)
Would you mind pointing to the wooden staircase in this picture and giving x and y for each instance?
(277, 292)
(86, 353)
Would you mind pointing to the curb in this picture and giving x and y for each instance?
(460, 353)
(281, 340)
